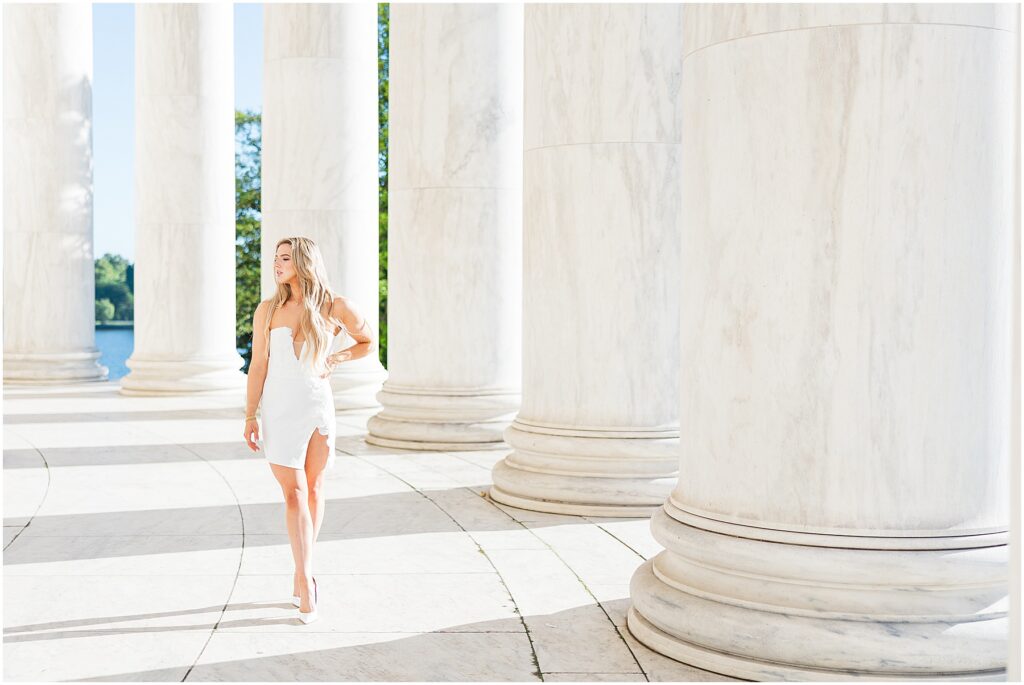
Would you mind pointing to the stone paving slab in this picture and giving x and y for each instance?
(485, 657)
(152, 655)
(594, 677)
(99, 555)
(144, 541)
(417, 553)
(580, 640)
(439, 602)
(35, 606)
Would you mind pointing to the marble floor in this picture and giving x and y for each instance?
(144, 541)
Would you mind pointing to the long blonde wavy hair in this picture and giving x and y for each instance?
(316, 292)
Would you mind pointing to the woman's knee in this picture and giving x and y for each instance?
(315, 486)
(294, 496)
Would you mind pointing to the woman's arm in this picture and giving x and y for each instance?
(259, 361)
(357, 326)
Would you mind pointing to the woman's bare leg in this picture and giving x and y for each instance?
(300, 527)
(317, 454)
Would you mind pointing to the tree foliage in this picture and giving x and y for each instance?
(104, 310)
(383, 24)
(114, 282)
(248, 146)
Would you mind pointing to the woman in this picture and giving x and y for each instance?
(292, 336)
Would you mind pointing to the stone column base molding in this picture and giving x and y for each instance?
(184, 376)
(356, 387)
(39, 368)
(577, 471)
(442, 419)
(762, 610)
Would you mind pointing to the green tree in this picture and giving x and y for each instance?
(117, 294)
(383, 24)
(248, 145)
(111, 268)
(104, 311)
(114, 282)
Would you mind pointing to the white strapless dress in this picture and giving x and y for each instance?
(295, 402)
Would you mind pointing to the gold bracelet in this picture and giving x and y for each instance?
(250, 417)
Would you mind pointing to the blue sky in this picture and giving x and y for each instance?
(113, 112)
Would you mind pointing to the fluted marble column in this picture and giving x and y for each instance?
(184, 202)
(49, 293)
(849, 251)
(598, 430)
(320, 159)
(455, 227)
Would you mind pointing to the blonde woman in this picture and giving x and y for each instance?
(292, 337)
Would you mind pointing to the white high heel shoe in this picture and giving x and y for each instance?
(296, 600)
(311, 616)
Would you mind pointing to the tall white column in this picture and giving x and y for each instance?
(49, 275)
(454, 227)
(320, 159)
(849, 251)
(598, 430)
(184, 202)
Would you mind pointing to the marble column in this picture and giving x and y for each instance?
(184, 202)
(597, 433)
(454, 227)
(49, 280)
(849, 252)
(320, 159)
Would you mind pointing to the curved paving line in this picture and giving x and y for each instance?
(42, 499)
(522, 619)
(545, 543)
(584, 584)
(238, 571)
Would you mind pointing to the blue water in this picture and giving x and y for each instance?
(116, 346)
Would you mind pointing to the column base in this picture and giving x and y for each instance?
(440, 419)
(573, 509)
(586, 472)
(185, 377)
(355, 384)
(759, 610)
(54, 368)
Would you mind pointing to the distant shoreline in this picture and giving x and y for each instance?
(115, 325)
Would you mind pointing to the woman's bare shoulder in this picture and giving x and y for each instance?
(259, 316)
(341, 303)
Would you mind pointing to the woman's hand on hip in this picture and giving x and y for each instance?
(333, 360)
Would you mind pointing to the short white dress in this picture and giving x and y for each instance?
(295, 401)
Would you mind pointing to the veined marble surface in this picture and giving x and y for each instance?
(846, 289)
(603, 73)
(601, 257)
(706, 24)
(184, 202)
(49, 299)
(454, 226)
(848, 311)
(320, 159)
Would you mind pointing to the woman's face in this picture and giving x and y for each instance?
(284, 269)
